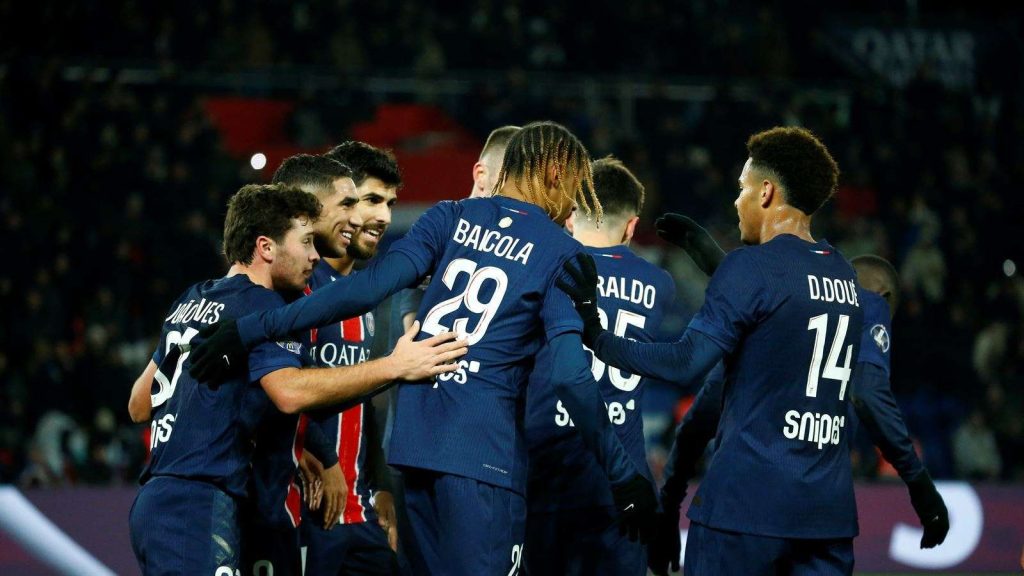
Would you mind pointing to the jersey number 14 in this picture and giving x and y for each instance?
(832, 369)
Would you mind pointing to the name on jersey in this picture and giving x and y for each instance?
(832, 290)
(491, 241)
(633, 291)
(813, 427)
(205, 311)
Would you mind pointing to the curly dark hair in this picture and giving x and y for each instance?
(314, 174)
(367, 161)
(803, 166)
(263, 210)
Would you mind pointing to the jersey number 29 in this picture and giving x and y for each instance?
(469, 297)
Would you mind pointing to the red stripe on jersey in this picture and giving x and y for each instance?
(352, 329)
(312, 333)
(293, 500)
(350, 443)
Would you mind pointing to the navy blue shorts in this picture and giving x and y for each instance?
(461, 526)
(351, 549)
(269, 550)
(711, 552)
(185, 527)
(579, 542)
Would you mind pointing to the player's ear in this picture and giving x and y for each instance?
(479, 175)
(552, 176)
(627, 234)
(768, 192)
(265, 248)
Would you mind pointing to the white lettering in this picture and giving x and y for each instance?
(790, 429)
(491, 241)
(812, 287)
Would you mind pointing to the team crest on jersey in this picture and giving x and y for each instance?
(368, 323)
(291, 346)
(881, 337)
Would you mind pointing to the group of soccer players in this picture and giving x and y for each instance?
(520, 450)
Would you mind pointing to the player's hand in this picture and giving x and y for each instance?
(220, 353)
(425, 359)
(309, 474)
(930, 509)
(692, 237)
(583, 292)
(384, 504)
(636, 504)
(665, 547)
(335, 495)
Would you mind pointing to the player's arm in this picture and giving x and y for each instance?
(295, 390)
(408, 260)
(684, 362)
(698, 428)
(140, 405)
(692, 237)
(876, 408)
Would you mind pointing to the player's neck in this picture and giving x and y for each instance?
(260, 275)
(341, 265)
(786, 220)
(596, 238)
(510, 190)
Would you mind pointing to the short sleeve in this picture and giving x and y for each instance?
(425, 242)
(271, 356)
(557, 312)
(735, 300)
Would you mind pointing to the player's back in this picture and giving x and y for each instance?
(494, 261)
(790, 313)
(200, 432)
(634, 295)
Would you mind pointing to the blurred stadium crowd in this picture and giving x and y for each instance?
(113, 192)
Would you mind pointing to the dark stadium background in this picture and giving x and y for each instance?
(126, 126)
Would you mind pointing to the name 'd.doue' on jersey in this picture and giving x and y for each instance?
(495, 261)
(201, 432)
(345, 343)
(633, 296)
(788, 315)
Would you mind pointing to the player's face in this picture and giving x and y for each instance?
(339, 221)
(374, 212)
(295, 257)
(748, 206)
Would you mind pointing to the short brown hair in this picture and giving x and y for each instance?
(263, 210)
(803, 166)
(498, 139)
(367, 161)
(617, 188)
(314, 174)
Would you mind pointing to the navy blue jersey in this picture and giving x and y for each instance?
(496, 261)
(788, 316)
(876, 336)
(345, 343)
(200, 432)
(634, 295)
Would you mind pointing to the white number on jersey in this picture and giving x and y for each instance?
(167, 385)
(469, 297)
(623, 320)
(832, 369)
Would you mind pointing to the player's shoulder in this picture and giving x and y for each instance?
(249, 294)
(626, 259)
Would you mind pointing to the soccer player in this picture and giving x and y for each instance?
(785, 316)
(571, 521)
(485, 171)
(270, 537)
(185, 519)
(870, 396)
(459, 443)
(366, 538)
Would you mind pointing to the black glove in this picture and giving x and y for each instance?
(692, 237)
(583, 292)
(930, 508)
(220, 353)
(636, 504)
(664, 548)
